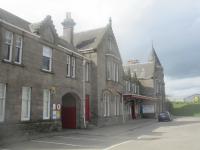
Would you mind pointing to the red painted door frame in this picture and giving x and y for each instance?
(133, 111)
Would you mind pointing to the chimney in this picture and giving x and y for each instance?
(133, 61)
(68, 28)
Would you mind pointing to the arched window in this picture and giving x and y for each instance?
(106, 103)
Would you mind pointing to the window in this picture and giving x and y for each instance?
(87, 72)
(46, 104)
(68, 66)
(113, 71)
(47, 58)
(108, 70)
(73, 66)
(156, 85)
(115, 105)
(8, 46)
(118, 105)
(2, 101)
(106, 104)
(26, 103)
(117, 73)
(138, 89)
(18, 49)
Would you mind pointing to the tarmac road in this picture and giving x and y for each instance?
(146, 134)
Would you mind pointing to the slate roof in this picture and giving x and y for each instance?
(143, 71)
(153, 57)
(89, 39)
(31, 27)
(15, 20)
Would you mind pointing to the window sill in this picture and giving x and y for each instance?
(74, 78)
(13, 63)
(47, 71)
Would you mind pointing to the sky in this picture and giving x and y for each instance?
(172, 25)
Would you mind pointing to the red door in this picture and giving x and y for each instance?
(69, 117)
(133, 111)
(87, 108)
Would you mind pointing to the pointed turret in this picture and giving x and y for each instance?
(153, 56)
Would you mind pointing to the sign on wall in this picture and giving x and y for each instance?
(148, 109)
(56, 111)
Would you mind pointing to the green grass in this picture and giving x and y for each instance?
(184, 109)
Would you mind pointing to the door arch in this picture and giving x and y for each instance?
(69, 111)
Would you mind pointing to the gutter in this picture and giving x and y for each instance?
(37, 36)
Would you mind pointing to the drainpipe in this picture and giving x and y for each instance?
(84, 94)
(123, 109)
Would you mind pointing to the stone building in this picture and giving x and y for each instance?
(100, 46)
(49, 82)
(151, 78)
(43, 84)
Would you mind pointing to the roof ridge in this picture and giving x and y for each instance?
(89, 30)
(5, 11)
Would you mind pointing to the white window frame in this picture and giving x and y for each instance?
(87, 72)
(106, 104)
(11, 45)
(156, 86)
(118, 105)
(3, 99)
(109, 70)
(117, 73)
(68, 66)
(129, 86)
(115, 105)
(26, 103)
(46, 104)
(44, 54)
(113, 70)
(20, 49)
(73, 59)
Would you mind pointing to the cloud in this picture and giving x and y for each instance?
(173, 25)
(182, 87)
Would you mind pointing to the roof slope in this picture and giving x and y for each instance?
(89, 39)
(153, 57)
(143, 71)
(15, 20)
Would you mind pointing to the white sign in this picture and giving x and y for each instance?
(58, 106)
(148, 109)
(54, 116)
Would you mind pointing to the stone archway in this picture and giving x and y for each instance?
(69, 111)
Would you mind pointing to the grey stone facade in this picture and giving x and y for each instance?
(84, 77)
(151, 77)
(29, 73)
(101, 47)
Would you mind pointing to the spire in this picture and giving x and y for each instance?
(110, 21)
(153, 56)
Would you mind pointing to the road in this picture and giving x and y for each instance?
(181, 134)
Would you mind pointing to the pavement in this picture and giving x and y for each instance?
(137, 134)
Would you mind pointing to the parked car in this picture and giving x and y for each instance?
(164, 116)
